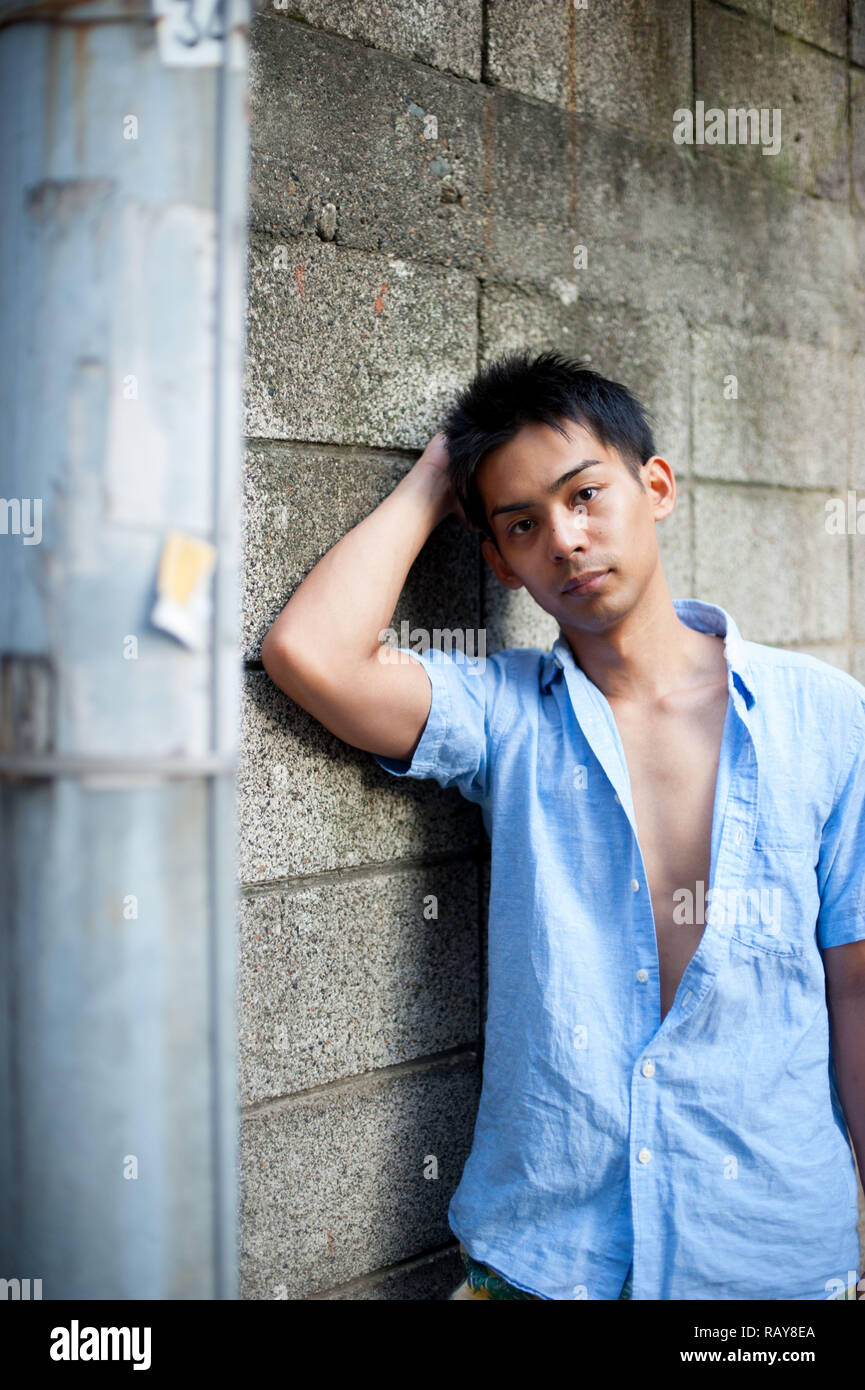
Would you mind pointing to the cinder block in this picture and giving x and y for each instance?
(630, 60)
(339, 977)
(530, 153)
(821, 22)
(857, 274)
(676, 545)
(838, 655)
(528, 48)
(742, 63)
(346, 347)
(633, 62)
(642, 215)
(299, 500)
(765, 556)
(307, 802)
(646, 225)
(432, 1278)
(856, 370)
(446, 34)
(677, 228)
(345, 1181)
(393, 150)
(857, 545)
(857, 123)
(768, 410)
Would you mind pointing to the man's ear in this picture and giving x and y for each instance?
(503, 573)
(658, 478)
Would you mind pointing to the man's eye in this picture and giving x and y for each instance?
(527, 520)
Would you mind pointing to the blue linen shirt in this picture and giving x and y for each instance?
(708, 1149)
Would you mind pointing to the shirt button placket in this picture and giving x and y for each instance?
(644, 1155)
(647, 1068)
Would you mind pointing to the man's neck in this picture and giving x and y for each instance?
(649, 653)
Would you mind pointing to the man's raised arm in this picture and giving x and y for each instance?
(323, 649)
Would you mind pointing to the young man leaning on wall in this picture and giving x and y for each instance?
(675, 1028)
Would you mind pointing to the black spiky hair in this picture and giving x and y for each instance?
(518, 389)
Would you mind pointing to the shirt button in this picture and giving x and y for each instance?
(648, 1068)
(616, 798)
(644, 1155)
(634, 884)
(739, 836)
(642, 976)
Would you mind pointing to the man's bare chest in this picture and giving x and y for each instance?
(672, 758)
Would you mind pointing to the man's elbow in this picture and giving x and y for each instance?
(281, 659)
(295, 666)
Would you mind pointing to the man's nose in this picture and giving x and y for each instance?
(567, 531)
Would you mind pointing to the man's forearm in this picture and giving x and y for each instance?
(349, 596)
(847, 1016)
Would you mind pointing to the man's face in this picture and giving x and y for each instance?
(564, 508)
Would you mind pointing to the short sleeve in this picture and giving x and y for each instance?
(455, 746)
(841, 865)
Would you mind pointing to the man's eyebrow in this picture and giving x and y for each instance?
(554, 487)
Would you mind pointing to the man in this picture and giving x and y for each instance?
(675, 1031)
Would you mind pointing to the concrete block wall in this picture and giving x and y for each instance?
(421, 176)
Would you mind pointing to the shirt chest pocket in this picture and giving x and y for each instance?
(775, 908)
(750, 939)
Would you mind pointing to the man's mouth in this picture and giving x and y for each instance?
(585, 583)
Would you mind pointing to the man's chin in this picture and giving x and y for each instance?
(591, 612)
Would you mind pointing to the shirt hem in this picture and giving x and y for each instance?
(484, 1259)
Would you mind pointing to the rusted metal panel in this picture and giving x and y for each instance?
(122, 254)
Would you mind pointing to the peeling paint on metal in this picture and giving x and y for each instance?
(160, 427)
